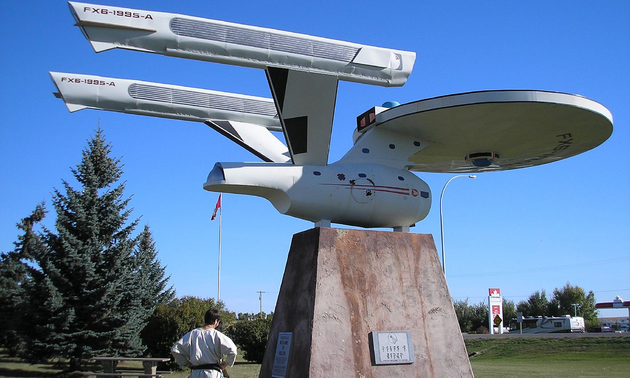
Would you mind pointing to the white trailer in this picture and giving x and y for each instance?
(540, 324)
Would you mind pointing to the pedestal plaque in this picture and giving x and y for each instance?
(281, 360)
(392, 348)
(341, 287)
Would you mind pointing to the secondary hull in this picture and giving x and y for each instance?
(353, 194)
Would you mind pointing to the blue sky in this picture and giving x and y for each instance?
(522, 231)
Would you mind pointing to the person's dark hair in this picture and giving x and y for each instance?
(211, 316)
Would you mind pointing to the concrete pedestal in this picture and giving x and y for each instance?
(340, 286)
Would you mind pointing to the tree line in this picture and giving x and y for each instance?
(568, 300)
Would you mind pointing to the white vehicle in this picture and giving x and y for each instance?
(373, 185)
(540, 324)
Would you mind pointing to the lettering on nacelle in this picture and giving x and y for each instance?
(76, 80)
(119, 13)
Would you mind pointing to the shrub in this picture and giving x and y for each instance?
(251, 337)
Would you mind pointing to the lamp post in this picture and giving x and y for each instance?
(442, 217)
(575, 307)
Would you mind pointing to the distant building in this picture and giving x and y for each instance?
(616, 303)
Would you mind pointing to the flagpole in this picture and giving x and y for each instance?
(220, 224)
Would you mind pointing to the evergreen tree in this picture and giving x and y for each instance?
(151, 275)
(13, 275)
(147, 289)
(89, 283)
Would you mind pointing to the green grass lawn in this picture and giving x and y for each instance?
(239, 370)
(563, 357)
(511, 357)
(556, 369)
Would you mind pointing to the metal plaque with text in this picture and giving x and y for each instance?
(281, 360)
(392, 347)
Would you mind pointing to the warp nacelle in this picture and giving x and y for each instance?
(108, 27)
(365, 195)
(162, 100)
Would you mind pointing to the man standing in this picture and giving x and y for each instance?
(202, 349)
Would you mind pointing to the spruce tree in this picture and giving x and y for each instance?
(82, 295)
(13, 277)
(151, 274)
(146, 290)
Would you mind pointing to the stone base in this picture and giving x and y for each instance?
(340, 285)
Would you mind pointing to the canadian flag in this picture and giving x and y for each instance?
(217, 207)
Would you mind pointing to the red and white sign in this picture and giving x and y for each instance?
(494, 292)
(495, 310)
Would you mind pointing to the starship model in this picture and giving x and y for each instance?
(373, 184)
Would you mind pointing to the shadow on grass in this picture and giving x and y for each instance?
(16, 368)
(16, 372)
(8, 372)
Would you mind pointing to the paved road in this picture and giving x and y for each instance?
(550, 335)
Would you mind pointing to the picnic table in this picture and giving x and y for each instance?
(149, 365)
